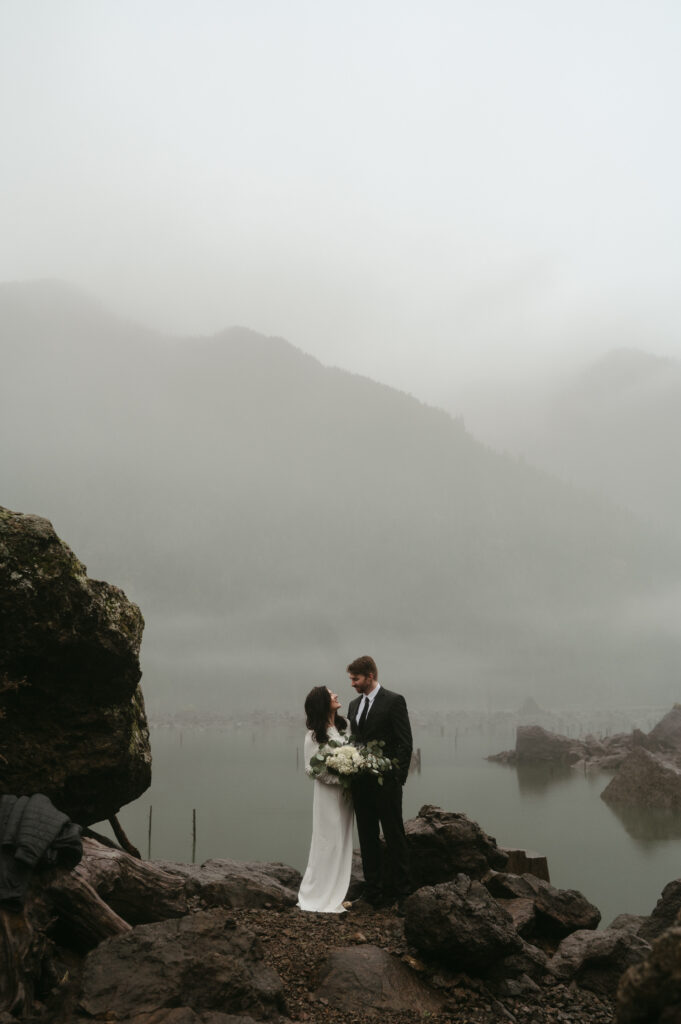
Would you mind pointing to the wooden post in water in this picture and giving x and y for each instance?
(149, 836)
(194, 836)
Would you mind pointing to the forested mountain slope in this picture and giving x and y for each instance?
(275, 517)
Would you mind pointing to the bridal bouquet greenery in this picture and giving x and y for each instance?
(339, 762)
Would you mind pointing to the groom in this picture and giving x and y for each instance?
(379, 714)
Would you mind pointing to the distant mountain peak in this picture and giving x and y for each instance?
(623, 369)
(245, 345)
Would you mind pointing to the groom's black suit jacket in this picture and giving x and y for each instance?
(387, 720)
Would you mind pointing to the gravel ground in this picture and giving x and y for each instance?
(296, 945)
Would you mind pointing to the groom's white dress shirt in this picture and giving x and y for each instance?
(367, 697)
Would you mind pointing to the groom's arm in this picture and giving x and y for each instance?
(404, 743)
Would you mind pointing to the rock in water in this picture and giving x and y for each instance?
(536, 744)
(666, 735)
(646, 779)
(73, 724)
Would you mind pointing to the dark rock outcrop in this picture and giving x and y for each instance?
(666, 735)
(73, 726)
(522, 913)
(596, 959)
(629, 922)
(203, 961)
(528, 962)
(557, 912)
(357, 977)
(230, 883)
(443, 844)
(650, 992)
(536, 745)
(666, 913)
(645, 779)
(461, 924)
(533, 743)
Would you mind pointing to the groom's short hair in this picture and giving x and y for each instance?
(363, 666)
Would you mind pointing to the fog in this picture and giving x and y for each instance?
(475, 204)
(451, 198)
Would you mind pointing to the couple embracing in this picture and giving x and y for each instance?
(374, 714)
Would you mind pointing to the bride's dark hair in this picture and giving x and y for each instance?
(317, 711)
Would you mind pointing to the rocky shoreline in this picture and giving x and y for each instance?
(646, 766)
(118, 939)
(484, 937)
(293, 937)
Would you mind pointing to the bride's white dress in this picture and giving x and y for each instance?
(327, 875)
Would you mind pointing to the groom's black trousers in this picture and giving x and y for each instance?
(381, 806)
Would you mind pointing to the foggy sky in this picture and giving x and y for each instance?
(427, 193)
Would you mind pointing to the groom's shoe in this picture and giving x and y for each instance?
(364, 904)
(360, 905)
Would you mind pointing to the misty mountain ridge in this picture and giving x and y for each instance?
(275, 517)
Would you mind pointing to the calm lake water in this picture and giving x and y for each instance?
(253, 801)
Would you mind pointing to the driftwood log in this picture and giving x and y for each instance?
(68, 913)
(105, 895)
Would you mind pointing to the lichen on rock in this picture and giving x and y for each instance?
(73, 724)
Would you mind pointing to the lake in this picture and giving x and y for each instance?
(246, 782)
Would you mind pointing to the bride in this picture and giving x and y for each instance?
(327, 875)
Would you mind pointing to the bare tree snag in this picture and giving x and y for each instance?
(122, 838)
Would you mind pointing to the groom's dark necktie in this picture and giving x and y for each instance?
(362, 717)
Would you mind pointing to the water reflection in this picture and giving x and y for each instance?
(648, 825)
(538, 778)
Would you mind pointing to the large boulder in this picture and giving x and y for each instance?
(354, 978)
(203, 961)
(461, 924)
(443, 844)
(528, 962)
(533, 743)
(650, 992)
(73, 723)
(666, 914)
(666, 735)
(539, 747)
(596, 959)
(557, 912)
(645, 779)
(230, 883)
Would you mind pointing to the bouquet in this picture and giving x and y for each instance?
(337, 763)
(374, 760)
